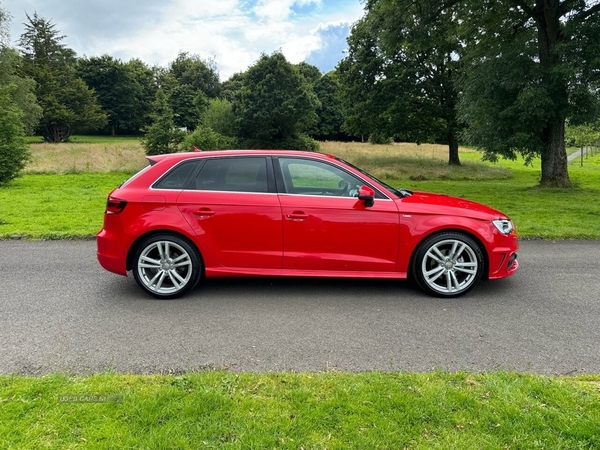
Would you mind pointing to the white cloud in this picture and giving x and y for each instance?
(233, 32)
(279, 9)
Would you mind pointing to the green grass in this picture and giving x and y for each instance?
(331, 410)
(56, 206)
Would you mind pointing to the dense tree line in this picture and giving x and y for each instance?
(506, 76)
(503, 75)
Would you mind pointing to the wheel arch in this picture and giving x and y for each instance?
(142, 237)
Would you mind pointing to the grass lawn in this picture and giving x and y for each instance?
(329, 410)
(54, 206)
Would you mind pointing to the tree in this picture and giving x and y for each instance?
(311, 73)
(119, 92)
(188, 104)
(162, 136)
(22, 90)
(411, 55)
(201, 75)
(67, 103)
(146, 77)
(583, 135)
(230, 87)
(18, 109)
(14, 152)
(330, 113)
(189, 83)
(359, 74)
(275, 102)
(532, 65)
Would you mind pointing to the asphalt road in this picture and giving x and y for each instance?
(60, 311)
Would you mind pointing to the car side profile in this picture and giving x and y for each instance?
(232, 213)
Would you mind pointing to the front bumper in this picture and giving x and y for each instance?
(503, 257)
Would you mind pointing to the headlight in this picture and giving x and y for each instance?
(504, 226)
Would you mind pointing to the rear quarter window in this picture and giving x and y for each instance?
(177, 177)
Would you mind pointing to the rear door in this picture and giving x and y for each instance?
(233, 208)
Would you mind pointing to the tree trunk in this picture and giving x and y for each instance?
(554, 156)
(453, 159)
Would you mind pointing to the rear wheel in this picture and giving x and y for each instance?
(448, 264)
(166, 266)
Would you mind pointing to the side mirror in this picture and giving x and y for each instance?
(367, 195)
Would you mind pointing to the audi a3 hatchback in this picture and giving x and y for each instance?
(191, 216)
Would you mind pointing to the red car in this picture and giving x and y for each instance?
(188, 216)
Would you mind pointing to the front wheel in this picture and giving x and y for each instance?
(166, 266)
(448, 264)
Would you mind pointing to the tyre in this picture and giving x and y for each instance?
(448, 264)
(166, 266)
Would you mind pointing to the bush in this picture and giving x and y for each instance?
(160, 140)
(300, 142)
(219, 116)
(14, 152)
(378, 138)
(205, 138)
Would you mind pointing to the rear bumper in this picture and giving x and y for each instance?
(111, 252)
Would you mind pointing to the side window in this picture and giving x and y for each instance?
(176, 177)
(308, 177)
(238, 174)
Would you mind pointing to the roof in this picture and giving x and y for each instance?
(213, 153)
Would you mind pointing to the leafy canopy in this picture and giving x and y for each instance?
(532, 65)
(67, 102)
(275, 102)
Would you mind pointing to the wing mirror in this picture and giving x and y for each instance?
(367, 195)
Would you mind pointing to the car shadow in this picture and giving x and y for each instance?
(265, 288)
(304, 286)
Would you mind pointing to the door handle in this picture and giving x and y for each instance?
(204, 212)
(297, 215)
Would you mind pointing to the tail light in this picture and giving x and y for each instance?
(115, 205)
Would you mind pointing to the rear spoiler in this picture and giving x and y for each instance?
(155, 158)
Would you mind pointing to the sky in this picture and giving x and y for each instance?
(232, 32)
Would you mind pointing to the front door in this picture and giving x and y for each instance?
(326, 226)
